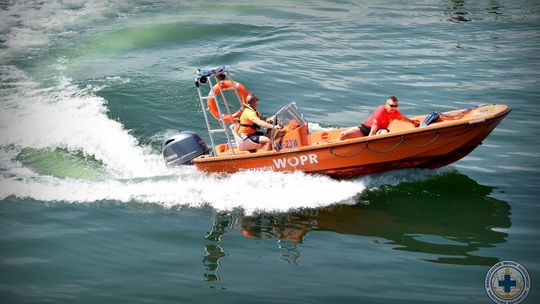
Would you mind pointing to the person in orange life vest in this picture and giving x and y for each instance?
(379, 121)
(251, 121)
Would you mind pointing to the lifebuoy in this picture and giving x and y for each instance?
(226, 85)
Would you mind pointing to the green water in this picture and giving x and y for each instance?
(89, 213)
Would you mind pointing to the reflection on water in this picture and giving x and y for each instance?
(448, 219)
(459, 12)
(223, 223)
(214, 253)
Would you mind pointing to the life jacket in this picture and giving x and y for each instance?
(247, 126)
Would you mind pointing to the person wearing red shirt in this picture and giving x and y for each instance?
(379, 121)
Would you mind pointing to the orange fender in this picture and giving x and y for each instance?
(226, 85)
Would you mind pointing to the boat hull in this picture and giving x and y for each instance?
(432, 146)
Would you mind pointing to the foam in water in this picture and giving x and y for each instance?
(25, 24)
(64, 116)
(68, 117)
(250, 190)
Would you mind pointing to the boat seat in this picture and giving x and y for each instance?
(243, 145)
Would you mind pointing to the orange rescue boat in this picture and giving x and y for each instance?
(443, 138)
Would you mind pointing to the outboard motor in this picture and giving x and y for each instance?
(181, 148)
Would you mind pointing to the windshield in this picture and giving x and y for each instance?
(290, 116)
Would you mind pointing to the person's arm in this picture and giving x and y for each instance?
(416, 123)
(375, 117)
(261, 123)
(374, 128)
(269, 119)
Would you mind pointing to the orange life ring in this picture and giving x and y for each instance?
(226, 85)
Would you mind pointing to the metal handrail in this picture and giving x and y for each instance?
(209, 77)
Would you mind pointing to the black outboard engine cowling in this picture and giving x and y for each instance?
(181, 148)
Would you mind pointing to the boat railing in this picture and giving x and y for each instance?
(211, 77)
(212, 80)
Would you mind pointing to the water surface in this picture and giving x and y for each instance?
(89, 213)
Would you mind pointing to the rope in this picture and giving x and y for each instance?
(331, 151)
(389, 150)
(402, 141)
(462, 112)
(428, 143)
(460, 134)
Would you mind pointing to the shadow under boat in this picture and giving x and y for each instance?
(449, 218)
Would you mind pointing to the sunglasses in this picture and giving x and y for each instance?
(393, 106)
